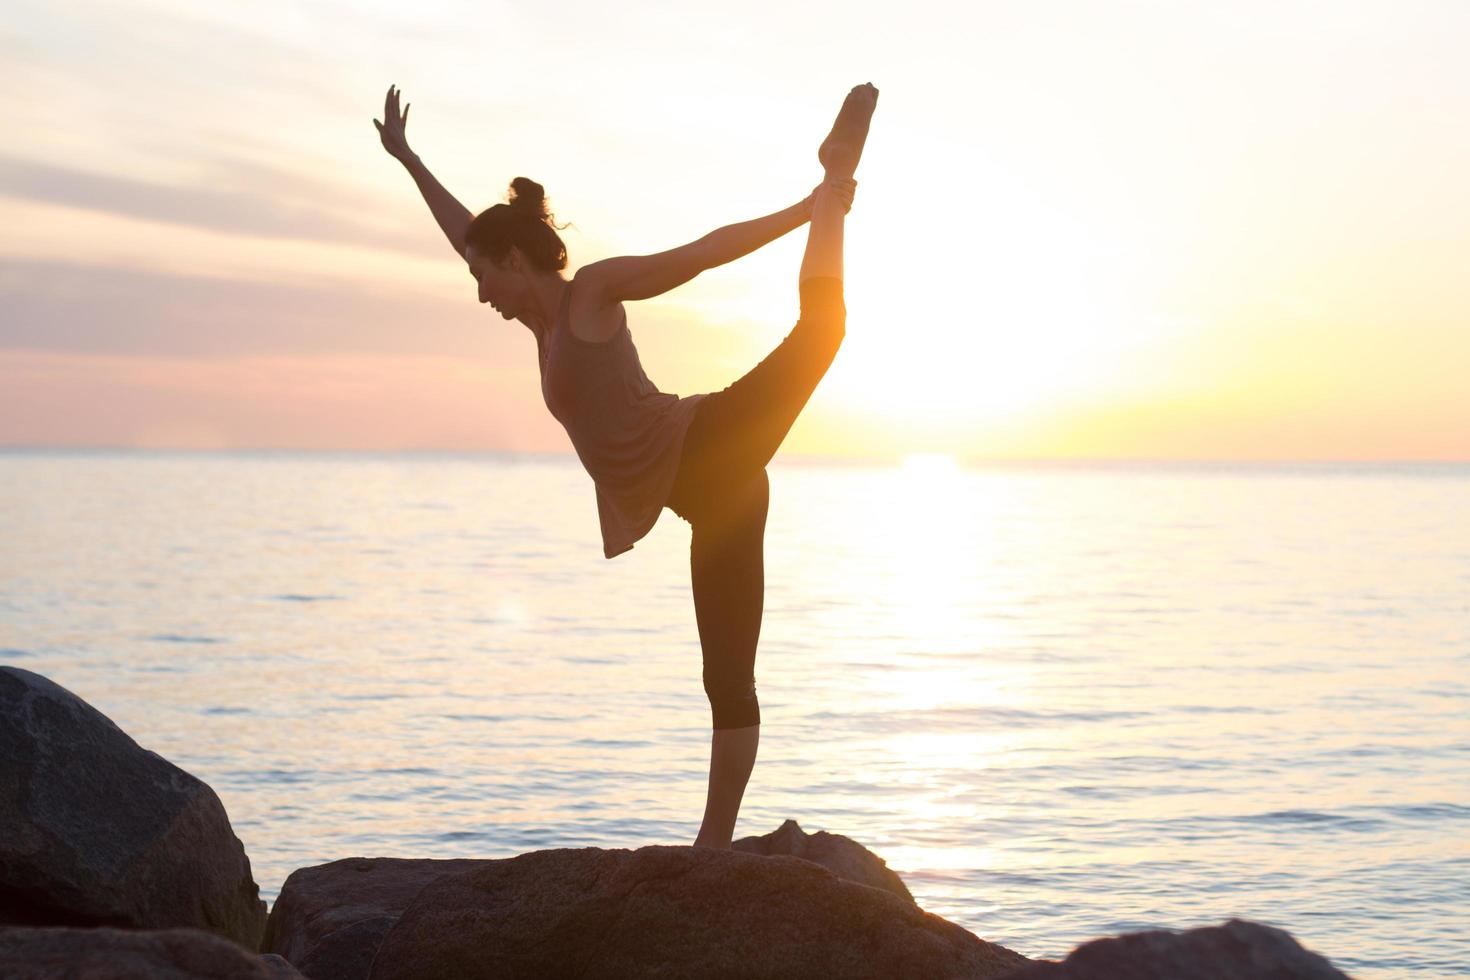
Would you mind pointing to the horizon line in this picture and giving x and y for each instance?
(888, 459)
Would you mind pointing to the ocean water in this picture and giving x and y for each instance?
(1061, 701)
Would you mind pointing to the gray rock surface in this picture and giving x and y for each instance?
(1237, 950)
(672, 912)
(103, 953)
(329, 919)
(97, 831)
(280, 968)
(841, 855)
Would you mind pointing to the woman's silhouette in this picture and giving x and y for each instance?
(703, 456)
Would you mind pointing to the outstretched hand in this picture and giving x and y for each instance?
(843, 187)
(395, 141)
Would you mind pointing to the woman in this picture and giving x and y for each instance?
(703, 456)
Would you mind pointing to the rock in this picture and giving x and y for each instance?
(280, 968)
(841, 855)
(97, 831)
(103, 953)
(672, 912)
(1237, 950)
(329, 919)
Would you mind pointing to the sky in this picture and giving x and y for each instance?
(1082, 230)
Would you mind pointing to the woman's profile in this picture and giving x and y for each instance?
(703, 456)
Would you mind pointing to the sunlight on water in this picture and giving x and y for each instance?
(1060, 701)
(921, 468)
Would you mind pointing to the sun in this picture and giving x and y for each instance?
(979, 330)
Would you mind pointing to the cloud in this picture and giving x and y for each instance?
(360, 401)
(62, 306)
(241, 198)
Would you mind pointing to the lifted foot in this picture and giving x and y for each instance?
(843, 147)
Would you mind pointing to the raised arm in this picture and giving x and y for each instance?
(633, 277)
(454, 218)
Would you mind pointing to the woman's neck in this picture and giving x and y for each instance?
(547, 293)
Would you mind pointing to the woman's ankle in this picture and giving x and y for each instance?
(839, 160)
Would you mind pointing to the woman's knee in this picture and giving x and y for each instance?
(733, 702)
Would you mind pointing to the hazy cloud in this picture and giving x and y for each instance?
(250, 199)
(100, 309)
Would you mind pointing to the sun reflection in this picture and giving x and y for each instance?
(929, 466)
(927, 601)
(934, 610)
(512, 614)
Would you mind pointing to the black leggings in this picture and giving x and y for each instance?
(722, 491)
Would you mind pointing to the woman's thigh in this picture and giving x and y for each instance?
(736, 431)
(727, 573)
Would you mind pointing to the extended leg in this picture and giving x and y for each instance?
(839, 155)
(738, 429)
(823, 256)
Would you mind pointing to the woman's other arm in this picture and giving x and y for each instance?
(454, 218)
(732, 241)
(634, 277)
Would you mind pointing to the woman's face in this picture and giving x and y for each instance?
(502, 287)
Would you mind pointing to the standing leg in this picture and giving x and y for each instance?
(727, 571)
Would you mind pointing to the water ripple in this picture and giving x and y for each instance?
(1097, 697)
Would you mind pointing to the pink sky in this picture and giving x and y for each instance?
(1159, 231)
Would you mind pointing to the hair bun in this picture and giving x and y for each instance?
(528, 196)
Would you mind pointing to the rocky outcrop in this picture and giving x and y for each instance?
(97, 831)
(102, 953)
(329, 919)
(116, 863)
(674, 912)
(843, 856)
(1237, 950)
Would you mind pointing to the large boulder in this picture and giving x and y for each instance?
(102, 953)
(97, 831)
(1237, 950)
(329, 919)
(841, 855)
(672, 912)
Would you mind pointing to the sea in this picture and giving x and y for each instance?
(1061, 700)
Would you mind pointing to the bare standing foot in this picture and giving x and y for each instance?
(843, 147)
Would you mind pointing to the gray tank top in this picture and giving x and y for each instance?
(626, 432)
